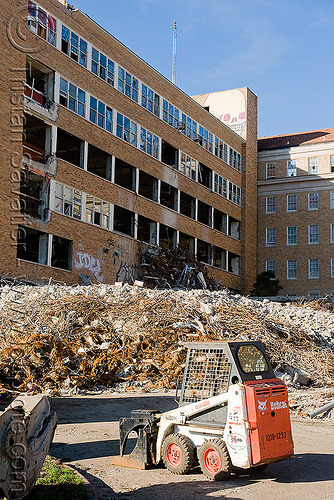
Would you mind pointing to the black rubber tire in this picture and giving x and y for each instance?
(214, 460)
(177, 453)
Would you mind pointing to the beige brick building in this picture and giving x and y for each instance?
(296, 211)
(101, 156)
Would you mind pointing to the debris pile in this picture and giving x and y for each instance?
(126, 337)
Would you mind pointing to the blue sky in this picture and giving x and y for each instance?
(281, 49)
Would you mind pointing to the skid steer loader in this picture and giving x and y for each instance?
(233, 414)
(27, 427)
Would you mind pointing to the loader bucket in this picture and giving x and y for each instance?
(144, 424)
(26, 430)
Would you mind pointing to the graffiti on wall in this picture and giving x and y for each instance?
(83, 260)
(127, 273)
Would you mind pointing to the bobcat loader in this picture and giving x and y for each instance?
(233, 414)
(27, 427)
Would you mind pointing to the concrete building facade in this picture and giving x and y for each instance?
(296, 211)
(101, 156)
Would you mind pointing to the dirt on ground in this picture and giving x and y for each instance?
(87, 437)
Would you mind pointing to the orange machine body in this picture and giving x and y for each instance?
(269, 420)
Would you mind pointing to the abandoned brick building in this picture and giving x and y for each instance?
(102, 156)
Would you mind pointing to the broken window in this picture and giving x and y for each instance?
(148, 186)
(150, 100)
(37, 141)
(204, 175)
(219, 257)
(168, 196)
(38, 86)
(99, 162)
(68, 201)
(70, 148)
(233, 263)
(204, 213)
(187, 242)
(220, 221)
(220, 186)
(187, 205)
(61, 254)
(235, 160)
(234, 228)
(103, 66)
(234, 194)
(100, 114)
(123, 220)
(41, 23)
(167, 237)
(170, 114)
(97, 211)
(188, 166)
(149, 143)
(169, 154)
(34, 195)
(125, 174)
(204, 251)
(147, 230)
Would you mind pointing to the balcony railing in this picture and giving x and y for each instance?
(38, 101)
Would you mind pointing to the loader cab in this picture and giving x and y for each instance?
(211, 367)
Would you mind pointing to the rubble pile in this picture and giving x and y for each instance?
(126, 337)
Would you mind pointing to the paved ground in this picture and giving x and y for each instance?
(87, 436)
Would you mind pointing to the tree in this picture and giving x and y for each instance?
(265, 285)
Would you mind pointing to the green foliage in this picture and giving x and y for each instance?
(265, 285)
(57, 474)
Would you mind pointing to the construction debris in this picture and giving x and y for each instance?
(57, 339)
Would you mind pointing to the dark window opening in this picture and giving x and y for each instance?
(233, 265)
(61, 253)
(204, 213)
(219, 257)
(187, 205)
(234, 228)
(203, 251)
(123, 220)
(169, 155)
(187, 243)
(167, 237)
(148, 186)
(34, 195)
(99, 162)
(125, 175)
(34, 144)
(168, 196)
(220, 221)
(32, 245)
(70, 148)
(205, 175)
(147, 230)
(39, 83)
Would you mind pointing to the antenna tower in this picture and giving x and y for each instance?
(174, 55)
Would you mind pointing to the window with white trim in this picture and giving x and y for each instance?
(332, 233)
(291, 235)
(313, 268)
(313, 166)
(41, 23)
(68, 201)
(97, 211)
(220, 185)
(126, 129)
(270, 170)
(270, 204)
(313, 234)
(72, 97)
(102, 66)
(127, 84)
(291, 269)
(271, 266)
(291, 168)
(170, 114)
(149, 143)
(331, 203)
(188, 166)
(150, 100)
(291, 203)
(270, 236)
(313, 201)
(100, 114)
